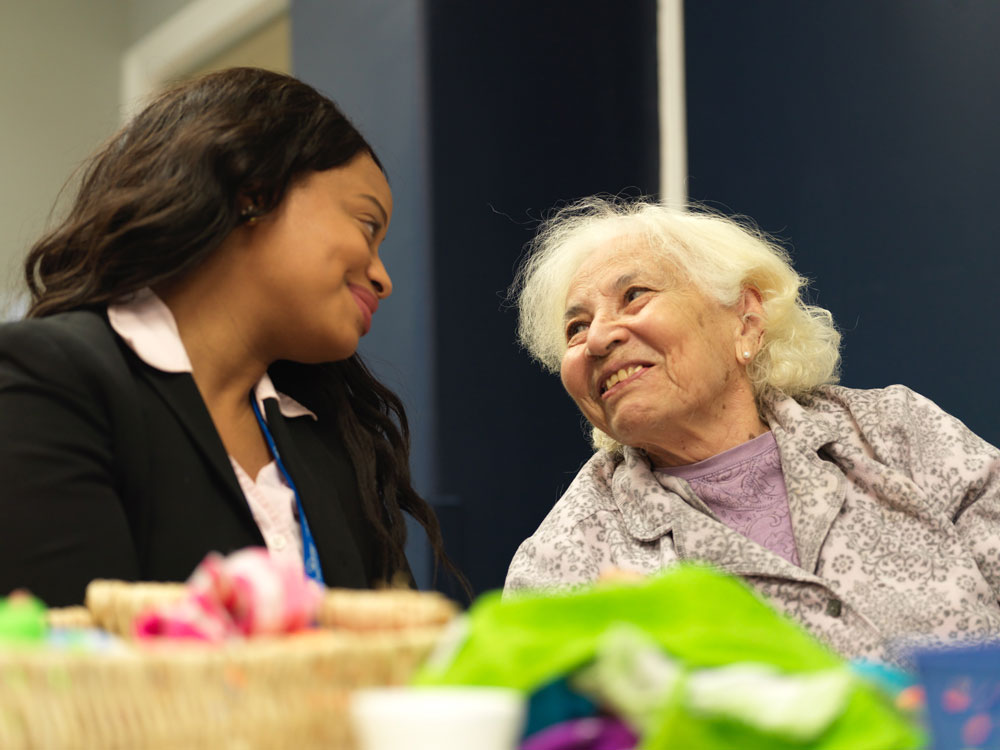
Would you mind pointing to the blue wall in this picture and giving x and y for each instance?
(867, 134)
(368, 55)
(533, 103)
(486, 114)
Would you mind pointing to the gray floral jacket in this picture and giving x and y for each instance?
(895, 507)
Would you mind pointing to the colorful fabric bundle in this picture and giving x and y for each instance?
(245, 594)
(690, 658)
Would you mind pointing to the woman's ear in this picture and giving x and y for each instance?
(249, 210)
(250, 204)
(750, 307)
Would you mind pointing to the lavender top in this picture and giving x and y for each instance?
(745, 489)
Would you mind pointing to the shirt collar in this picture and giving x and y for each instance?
(145, 323)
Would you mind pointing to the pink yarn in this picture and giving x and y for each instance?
(245, 594)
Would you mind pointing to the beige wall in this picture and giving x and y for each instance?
(146, 15)
(59, 62)
(269, 47)
(60, 77)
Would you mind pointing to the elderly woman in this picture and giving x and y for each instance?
(870, 516)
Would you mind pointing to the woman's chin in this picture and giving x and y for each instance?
(631, 429)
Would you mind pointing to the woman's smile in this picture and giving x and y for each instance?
(621, 378)
(367, 303)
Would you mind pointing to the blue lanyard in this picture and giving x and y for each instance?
(310, 555)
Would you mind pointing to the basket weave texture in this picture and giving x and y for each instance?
(280, 692)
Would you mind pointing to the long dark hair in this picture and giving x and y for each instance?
(165, 192)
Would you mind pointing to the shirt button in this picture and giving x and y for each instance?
(834, 607)
(279, 542)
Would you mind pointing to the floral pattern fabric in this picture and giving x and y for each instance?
(895, 509)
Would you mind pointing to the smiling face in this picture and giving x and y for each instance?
(315, 266)
(652, 361)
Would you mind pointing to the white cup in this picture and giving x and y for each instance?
(437, 718)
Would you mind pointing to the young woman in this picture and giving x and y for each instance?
(186, 378)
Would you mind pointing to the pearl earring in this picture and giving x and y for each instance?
(746, 355)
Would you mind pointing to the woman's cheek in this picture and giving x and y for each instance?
(572, 376)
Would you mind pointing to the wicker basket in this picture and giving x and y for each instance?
(112, 606)
(289, 692)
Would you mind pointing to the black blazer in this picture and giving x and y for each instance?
(110, 468)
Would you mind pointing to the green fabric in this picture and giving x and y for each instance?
(635, 678)
(22, 619)
(698, 616)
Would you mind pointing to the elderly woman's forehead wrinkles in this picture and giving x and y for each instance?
(580, 291)
(624, 280)
(617, 286)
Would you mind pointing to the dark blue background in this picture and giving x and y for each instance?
(486, 114)
(867, 134)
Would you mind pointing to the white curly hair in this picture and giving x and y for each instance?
(719, 255)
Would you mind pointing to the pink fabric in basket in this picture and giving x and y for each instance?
(245, 594)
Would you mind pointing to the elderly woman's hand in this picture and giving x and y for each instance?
(620, 575)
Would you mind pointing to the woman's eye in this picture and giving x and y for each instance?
(634, 292)
(371, 227)
(575, 329)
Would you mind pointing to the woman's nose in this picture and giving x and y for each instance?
(379, 277)
(603, 335)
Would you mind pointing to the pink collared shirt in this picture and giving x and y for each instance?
(146, 324)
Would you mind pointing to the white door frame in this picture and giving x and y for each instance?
(196, 33)
(673, 112)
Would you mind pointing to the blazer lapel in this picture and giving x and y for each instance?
(181, 394)
(318, 476)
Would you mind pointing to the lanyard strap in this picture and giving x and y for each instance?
(310, 555)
